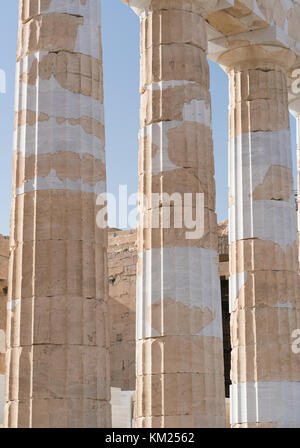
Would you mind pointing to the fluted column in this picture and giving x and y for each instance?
(180, 379)
(265, 306)
(57, 369)
(294, 107)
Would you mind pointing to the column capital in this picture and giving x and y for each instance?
(202, 7)
(294, 107)
(247, 57)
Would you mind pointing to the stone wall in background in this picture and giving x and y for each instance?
(223, 250)
(122, 259)
(4, 253)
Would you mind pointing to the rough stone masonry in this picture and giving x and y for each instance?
(57, 329)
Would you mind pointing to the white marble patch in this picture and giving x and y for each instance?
(142, 7)
(250, 157)
(197, 111)
(263, 402)
(158, 134)
(236, 282)
(267, 220)
(2, 400)
(288, 305)
(88, 39)
(90, 10)
(214, 328)
(50, 98)
(11, 304)
(163, 85)
(52, 182)
(188, 275)
(51, 137)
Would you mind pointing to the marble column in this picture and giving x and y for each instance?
(180, 377)
(57, 367)
(264, 297)
(294, 108)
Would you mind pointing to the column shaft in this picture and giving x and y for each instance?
(298, 184)
(57, 369)
(180, 378)
(265, 372)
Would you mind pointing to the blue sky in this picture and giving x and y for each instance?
(121, 83)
